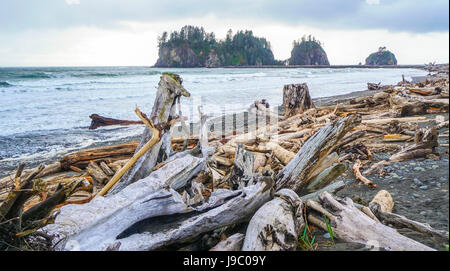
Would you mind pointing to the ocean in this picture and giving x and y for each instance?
(45, 112)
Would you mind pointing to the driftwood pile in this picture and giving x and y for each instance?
(253, 191)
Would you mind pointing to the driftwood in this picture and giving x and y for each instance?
(99, 121)
(384, 200)
(232, 243)
(107, 154)
(80, 218)
(282, 154)
(403, 222)
(169, 90)
(296, 175)
(95, 171)
(360, 177)
(296, 99)
(277, 224)
(425, 142)
(326, 177)
(164, 219)
(352, 225)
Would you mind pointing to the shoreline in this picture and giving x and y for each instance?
(9, 166)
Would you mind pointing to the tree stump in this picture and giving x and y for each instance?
(296, 99)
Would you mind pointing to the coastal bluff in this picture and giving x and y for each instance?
(382, 57)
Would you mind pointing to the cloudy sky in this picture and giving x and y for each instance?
(124, 32)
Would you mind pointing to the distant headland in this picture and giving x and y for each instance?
(193, 47)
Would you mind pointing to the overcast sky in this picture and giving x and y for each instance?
(124, 32)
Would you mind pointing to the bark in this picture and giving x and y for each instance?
(425, 142)
(99, 121)
(95, 171)
(296, 175)
(296, 99)
(276, 225)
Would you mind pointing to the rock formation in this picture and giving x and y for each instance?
(382, 57)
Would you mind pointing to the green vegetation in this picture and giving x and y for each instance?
(306, 242)
(193, 47)
(308, 51)
(329, 229)
(382, 57)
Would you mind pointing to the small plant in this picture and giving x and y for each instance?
(329, 229)
(446, 247)
(307, 242)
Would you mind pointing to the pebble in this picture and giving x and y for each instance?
(419, 169)
(432, 183)
(434, 166)
(417, 182)
(327, 235)
(423, 187)
(423, 213)
(412, 164)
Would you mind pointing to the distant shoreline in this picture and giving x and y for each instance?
(312, 67)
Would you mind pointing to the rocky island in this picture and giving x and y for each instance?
(382, 57)
(308, 51)
(193, 47)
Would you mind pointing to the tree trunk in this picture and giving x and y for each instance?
(296, 174)
(296, 99)
(169, 90)
(99, 121)
(276, 225)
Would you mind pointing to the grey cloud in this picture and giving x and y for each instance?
(395, 15)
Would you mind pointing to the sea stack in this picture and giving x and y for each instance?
(382, 57)
(308, 51)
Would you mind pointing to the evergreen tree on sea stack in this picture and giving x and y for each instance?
(382, 57)
(308, 51)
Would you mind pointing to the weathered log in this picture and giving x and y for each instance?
(107, 170)
(373, 86)
(349, 138)
(403, 222)
(14, 203)
(260, 161)
(277, 224)
(43, 209)
(99, 121)
(95, 171)
(396, 138)
(117, 165)
(170, 89)
(352, 225)
(425, 142)
(232, 243)
(242, 173)
(79, 218)
(326, 177)
(296, 99)
(384, 199)
(287, 136)
(282, 154)
(360, 177)
(387, 120)
(163, 219)
(296, 174)
(331, 188)
(81, 159)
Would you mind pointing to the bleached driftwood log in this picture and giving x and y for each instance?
(242, 173)
(164, 219)
(169, 90)
(425, 142)
(296, 174)
(232, 243)
(296, 99)
(75, 219)
(352, 225)
(277, 224)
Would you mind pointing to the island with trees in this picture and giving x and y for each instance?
(382, 57)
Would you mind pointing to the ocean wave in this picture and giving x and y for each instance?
(35, 75)
(5, 84)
